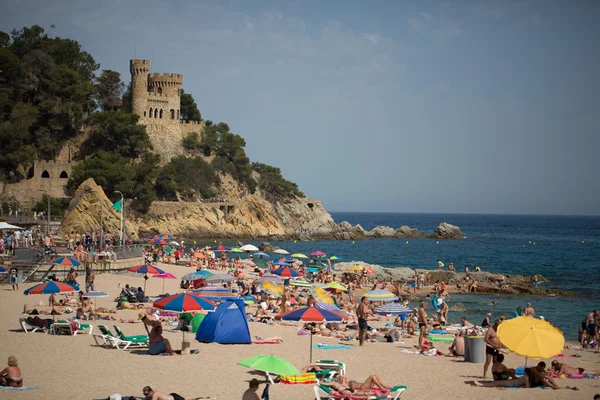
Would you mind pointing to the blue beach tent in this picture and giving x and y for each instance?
(226, 325)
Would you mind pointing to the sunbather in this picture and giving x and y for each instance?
(11, 375)
(500, 372)
(345, 386)
(562, 368)
(151, 394)
(524, 381)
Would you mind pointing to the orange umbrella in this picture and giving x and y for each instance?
(199, 255)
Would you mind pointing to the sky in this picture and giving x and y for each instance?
(382, 106)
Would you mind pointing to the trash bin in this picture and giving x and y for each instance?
(467, 349)
(476, 345)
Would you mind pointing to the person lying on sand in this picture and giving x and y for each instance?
(348, 387)
(562, 368)
(151, 394)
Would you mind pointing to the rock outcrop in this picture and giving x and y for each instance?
(447, 231)
(83, 214)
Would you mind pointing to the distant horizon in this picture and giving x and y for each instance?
(463, 213)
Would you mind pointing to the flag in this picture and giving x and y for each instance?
(118, 205)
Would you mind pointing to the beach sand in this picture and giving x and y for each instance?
(74, 368)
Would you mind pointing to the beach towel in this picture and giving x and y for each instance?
(324, 346)
(19, 388)
(263, 342)
(437, 332)
(562, 356)
(307, 378)
(440, 339)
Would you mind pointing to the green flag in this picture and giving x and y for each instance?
(118, 205)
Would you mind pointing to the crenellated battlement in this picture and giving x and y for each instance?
(139, 67)
(165, 80)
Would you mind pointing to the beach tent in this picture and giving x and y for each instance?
(226, 325)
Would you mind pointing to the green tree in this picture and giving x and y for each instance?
(57, 206)
(187, 178)
(119, 132)
(273, 185)
(188, 109)
(109, 90)
(192, 141)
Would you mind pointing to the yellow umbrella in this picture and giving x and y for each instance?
(272, 288)
(338, 286)
(299, 255)
(322, 295)
(531, 337)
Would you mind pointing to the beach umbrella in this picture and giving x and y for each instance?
(146, 269)
(249, 247)
(95, 294)
(272, 288)
(301, 284)
(199, 255)
(184, 302)
(173, 243)
(282, 263)
(335, 258)
(331, 307)
(67, 261)
(165, 236)
(50, 287)
(270, 364)
(193, 276)
(220, 277)
(236, 250)
(5, 225)
(164, 276)
(336, 286)
(318, 253)
(322, 296)
(287, 272)
(260, 263)
(3, 270)
(270, 278)
(393, 308)
(380, 295)
(311, 314)
(261, 254)
(220, 248)
(280, 251)
(215, 293)
(530, 337)
(299, 255)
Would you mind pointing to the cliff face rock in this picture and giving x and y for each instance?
(447, 231)
(83, 214)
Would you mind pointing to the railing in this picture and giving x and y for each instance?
(128, 251)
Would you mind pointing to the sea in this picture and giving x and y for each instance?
(564, 249)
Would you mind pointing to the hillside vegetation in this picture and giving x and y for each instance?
(51, 90)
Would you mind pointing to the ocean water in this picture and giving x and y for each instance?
(564, 249)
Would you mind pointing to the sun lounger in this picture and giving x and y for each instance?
(110, 339)
(28, 328)
(323, 392)
(71, 327)
(333, 365)
(134, 339)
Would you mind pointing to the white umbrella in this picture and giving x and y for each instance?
(281, 251)
(4, 225)
(249, 247)
(173, 243)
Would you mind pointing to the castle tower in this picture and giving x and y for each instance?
(164, 96)
(139, 85)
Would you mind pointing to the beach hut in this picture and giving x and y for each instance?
(226, 325)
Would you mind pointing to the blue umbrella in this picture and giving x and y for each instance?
(393, 308)
(287, 272)
(260, 253)
(183, 302)
(220, 277)
(282, 263)
(192, 276)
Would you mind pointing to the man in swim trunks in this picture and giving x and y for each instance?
(422, 315)
(457, 349)
(362, 312)
(151, 394)
(157, 343)
(500, 372)
(492, 346)
(562, 368)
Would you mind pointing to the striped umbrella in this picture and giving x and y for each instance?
(336, 286)
(220, 277)
(192, 276)
(164, 276)
(220, 248)
(380, 295)
(50, 287)
(393, 308)
(165, 236)
(183, 302)
(282, 263)
(301, 284)
(331, 307)
(158, 241)
(322, 296)
(311, 314)
(68, 261)
(272, 288)
(146, 269)
(3, 270)
(287, 272)
(215, 293)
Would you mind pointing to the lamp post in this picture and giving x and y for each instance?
(122, 233)
(101, 228)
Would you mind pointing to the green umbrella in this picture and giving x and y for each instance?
(299, 255)
(237, 250)
(272, 364)
(301, 284)
(197, 321)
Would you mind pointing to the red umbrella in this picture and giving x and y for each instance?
(287, 272)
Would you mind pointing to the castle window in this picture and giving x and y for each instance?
(30, 173)
(156, 113)
(172, 114)
(160, 115)
(150, 112)
(64, 175)
(144, 113)
(177, 114)
(159, 90)
(45, 174)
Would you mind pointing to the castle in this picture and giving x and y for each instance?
(156, 98)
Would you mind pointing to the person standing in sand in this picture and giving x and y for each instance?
(492, 346)
(422, 324)
(529, 311)
(362, 312)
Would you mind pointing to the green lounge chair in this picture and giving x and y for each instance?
(135, 339)
(109, 339)
(323, 392)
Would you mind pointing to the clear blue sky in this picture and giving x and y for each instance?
(424, 106)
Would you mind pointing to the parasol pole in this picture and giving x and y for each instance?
(311, 344)
(163, 289)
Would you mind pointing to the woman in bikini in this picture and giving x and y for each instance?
(344, 386)
(11, 375)
(524, 381)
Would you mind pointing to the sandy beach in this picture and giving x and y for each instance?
(75, 368)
